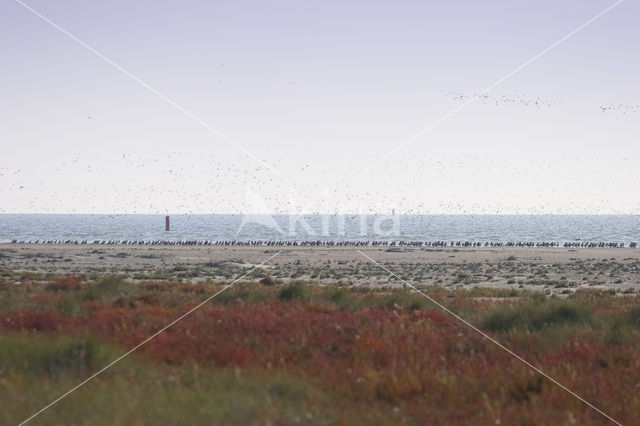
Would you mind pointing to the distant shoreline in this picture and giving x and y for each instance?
(420, 230)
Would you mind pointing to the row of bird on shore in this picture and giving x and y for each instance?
(332, 243)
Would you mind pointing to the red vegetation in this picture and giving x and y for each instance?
(64, 284)
(31, 321)
(434, 366)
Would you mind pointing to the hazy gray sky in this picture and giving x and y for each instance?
(319, 91)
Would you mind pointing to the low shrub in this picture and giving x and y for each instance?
(268, 281)
(295, 290)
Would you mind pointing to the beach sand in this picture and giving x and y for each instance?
(551, 270)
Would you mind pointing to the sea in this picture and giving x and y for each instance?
(317, 227)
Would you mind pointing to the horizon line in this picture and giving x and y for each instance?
(317, 214)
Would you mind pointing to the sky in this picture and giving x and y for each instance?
(314, 107)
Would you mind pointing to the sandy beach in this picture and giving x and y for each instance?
(550, 270)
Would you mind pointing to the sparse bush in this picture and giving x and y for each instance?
(268, 281)
(295, 290)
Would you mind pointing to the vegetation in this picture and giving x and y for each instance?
(303, 354)
(537, 314)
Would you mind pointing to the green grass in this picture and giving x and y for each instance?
(156, 394)
(534, 315)
(108, 286)
(343, 298)
(405, 300)
(623, 328)
(35, 370)
(62, 357)
(241, 293)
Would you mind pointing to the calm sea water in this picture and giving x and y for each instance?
(480, 228)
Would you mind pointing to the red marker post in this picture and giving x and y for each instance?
(167, 223)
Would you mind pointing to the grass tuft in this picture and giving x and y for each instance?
(536, 315)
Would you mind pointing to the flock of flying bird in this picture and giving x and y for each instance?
(524, 100)
(203, 183)
(515, 99)
(623, 108)
(190, 183)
